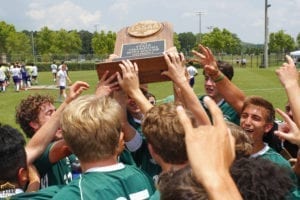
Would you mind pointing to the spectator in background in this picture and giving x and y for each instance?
(34, 74)
(54, 71)
(16, 74)
(192, 73)
(62, 79)
(2, 80)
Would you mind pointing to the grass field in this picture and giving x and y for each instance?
(252, 81)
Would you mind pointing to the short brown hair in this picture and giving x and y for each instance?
(261, 102)
(164, 132)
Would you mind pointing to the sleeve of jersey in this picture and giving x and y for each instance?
(43, 163)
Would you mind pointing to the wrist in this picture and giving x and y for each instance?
(219, 77)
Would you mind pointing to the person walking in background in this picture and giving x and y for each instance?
(62, 78)
(192, 73)
(16, 74)
(54, 70)
(2, 80)
(34, 74)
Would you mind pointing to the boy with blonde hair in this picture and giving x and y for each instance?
(92, 129)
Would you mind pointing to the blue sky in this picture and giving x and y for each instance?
(242, 17)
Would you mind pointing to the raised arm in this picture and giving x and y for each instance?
(289, 77)
(42, 138)
(230, 92)
(177, 72)
(129, 82)
(211, 171)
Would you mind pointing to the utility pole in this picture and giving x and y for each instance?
(199, 13)
(32, 43)
(266, 47)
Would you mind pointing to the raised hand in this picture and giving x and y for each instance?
(106, 85)
(294, 133)
(75, 90)
(129, 81)
(176, 67)
(287, 73)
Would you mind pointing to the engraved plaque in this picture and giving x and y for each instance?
(143, 43)
(143, 49)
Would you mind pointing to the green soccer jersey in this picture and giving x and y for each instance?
(118, 181)
(42, 194)
(142, 156)
(228, 112)
(155, 196)
(59, 173)
(272, 155)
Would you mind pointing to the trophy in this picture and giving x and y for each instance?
(144, 44)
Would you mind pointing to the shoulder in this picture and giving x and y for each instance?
(71, 191)
(275, 157)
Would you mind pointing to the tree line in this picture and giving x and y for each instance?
(48, 43)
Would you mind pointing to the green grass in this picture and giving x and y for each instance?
(252, 81)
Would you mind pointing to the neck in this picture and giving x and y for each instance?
(100, 163)
(257, 146)
(138, 115)
(218, 98)
(168, 167)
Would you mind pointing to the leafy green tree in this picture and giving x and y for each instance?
(222, 41)
(187, 41)
(103, 44)
(18, 45)
(5, 31)
(66, 42)
(281, 42)
(176, 41)
(111, 39)
(86, 39)
(298, 40)
(44, 41)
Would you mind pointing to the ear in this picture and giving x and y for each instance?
(34, 125)
(121, 144)
(23, 177)
(268, 127)
(154, 155)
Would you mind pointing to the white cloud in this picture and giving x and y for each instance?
(66, 15)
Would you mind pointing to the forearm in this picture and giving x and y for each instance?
(141, 100)
(129, 131)
(231, 93)
(293, 93)
(222, 188)
(193, 104)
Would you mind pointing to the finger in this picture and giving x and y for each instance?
(285, 116)
(119, 78)
(111, 78)
(125, 65)
(216, 113)
(167, 59)
(136, 68)
(289, 59)
(177, 58)
(123, 68)
(284, 136)
(182, 58)
(104, 76)
(184, 120)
